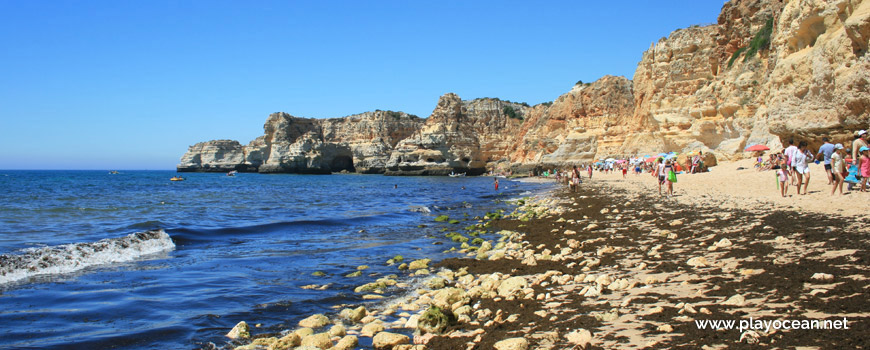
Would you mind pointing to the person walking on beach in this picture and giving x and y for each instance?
(589, 170)
(859, 141)
(864, 167)
(825, 152)
(671, 176)
(575, 178)
(801, 168)
(660, 173)
(789, 155)
(838, 167)
(782, 174)
(624, 170)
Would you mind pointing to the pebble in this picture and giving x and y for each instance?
(580, 337)
(735, 300)
(512, 344)
(823, 276)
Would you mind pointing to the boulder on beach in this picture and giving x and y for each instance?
(288, 341)
(354, 315)
(435, 320)
(387, 340)
(419, 264)
(580, 337)
(319, 340)
(512, 286)
(446, 297)
(240, 331)
(372, 329)
(346, 343)
(512, 344)
(314, 321)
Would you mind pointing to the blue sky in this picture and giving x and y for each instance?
(131, 84)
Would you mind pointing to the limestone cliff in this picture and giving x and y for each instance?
(459, 136)
(768, 70)
(361, 142)
(591, 119)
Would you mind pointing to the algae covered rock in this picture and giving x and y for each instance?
(354, 315)
(419, 264)
(288, 341)
(240, 331)
(442, 218)
(435, 321)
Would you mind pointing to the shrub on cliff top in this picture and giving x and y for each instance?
(512, 113)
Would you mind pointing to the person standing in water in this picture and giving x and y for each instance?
(496, 184)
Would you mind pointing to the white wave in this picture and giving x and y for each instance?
(69, 258)
(420, 209)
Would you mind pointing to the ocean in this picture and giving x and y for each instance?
(92, 260)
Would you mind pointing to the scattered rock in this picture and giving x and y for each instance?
(319, 340)
(512, 344)
(387, 340)
(371, 329)
(337, 331)
(354, 315)
(735, 300)
(580, 337)
(435, 321)
(677, 222)
(314, 321)
(698, 261)
(512, 286)
(823, 276)
(240, 331)
(419, 264)
(665, 328)
(346, 343)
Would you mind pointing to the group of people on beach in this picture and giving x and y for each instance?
(841, 164)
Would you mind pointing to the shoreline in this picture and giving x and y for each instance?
(616, 266)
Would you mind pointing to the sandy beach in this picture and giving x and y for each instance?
(724, 185)
(616, 266)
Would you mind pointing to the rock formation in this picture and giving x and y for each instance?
(767, 71)
(459, 136)
(361, 143)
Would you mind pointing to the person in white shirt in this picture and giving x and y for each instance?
(801, 168)
(789, 154)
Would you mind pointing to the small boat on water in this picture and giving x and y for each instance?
(176, 178)
(232, 173)
(456, 175)
(113, 172)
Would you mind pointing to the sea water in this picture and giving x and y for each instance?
(92, 260)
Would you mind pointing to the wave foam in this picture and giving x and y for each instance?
(69, 258)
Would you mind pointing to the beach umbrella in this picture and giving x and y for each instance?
(651, 159)
(754, 148)
(610, 160)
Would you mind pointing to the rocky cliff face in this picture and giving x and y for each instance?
(768, 70)
(590, 119)
(704, 88)
(459, 136)
(361, 143)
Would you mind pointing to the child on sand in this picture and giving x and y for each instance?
(782, 175)
(671, 177)
(838, 167)
(864, 167)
